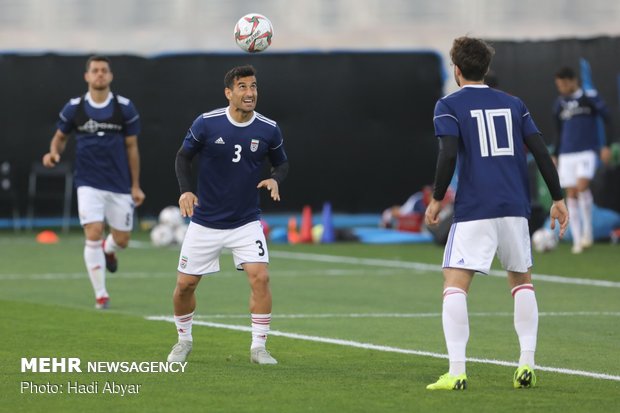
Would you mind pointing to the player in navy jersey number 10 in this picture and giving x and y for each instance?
(232, 143)
(488, 131)
(107, 168)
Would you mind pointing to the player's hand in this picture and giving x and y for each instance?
(187, 202)
(271, 185)
(51, 159)
(431, 216)
(560, 212)
(137, 195)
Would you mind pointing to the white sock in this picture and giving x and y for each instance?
(184, 326)
(455, 327)
(526, 322)
(585, 205)
(109, 246)
(575, 220)
(260, 329)
(95, 265)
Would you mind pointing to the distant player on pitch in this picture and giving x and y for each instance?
(107, 169)
(576, 113)
(233, 144)
(488, 131)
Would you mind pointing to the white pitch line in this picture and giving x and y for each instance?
(390, 349)
(83, 275)
(411, 315)
(430, 267)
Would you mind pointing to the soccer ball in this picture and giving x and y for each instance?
(253, 33)
(171, 216)
(544, 240)
(162, 235)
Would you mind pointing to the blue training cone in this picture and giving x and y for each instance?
(329, 234)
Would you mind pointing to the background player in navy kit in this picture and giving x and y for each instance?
(107, 168)
(487, 130)
(576, 112)
(232, 143)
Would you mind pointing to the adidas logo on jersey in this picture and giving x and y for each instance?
(220, 141)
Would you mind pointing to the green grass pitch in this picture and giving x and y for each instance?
(359, 330)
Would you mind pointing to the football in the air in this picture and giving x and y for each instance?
(253, 33)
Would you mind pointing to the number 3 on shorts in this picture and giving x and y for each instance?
(260, 248)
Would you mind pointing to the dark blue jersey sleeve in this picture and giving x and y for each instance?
(132, 119)
(277, 155)
(445, 120)
(65, 122)
(194, 140)
(528, 126)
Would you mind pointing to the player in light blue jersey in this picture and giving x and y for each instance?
(488, 131)
(107, 169)
(233, 144)
(577, 112)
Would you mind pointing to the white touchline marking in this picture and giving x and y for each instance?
(430, 267)
(389, 349)
(410, 315)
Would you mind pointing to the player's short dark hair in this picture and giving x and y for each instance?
(98, 58)
(237, 72)
(472, 56)
(565, 73)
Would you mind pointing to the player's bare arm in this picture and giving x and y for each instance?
(272, 186)
(559, 212)
(431, 216)
(57, 147)
(187, 202)
(133, 157)
(278, 174)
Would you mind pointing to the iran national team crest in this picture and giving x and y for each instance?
(254, 145)
(183, 262)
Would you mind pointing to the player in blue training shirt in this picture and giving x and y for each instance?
(107, 168)
(232, 143)
(576, 112)
(488, 131)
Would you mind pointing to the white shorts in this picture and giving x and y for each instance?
(201, 249)
(97, 205)
(574, 166)
(471, 245)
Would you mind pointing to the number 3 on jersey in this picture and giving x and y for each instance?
(488, 116)
(237, 157)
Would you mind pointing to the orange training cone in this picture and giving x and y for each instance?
(292, 235)
(47, 237)
(305, 234)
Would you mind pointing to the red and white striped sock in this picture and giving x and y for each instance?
(575, 220)
(95, 265)
(109, 245)
(455, 327)
(526, 321)
(184, 326)
(260, 329)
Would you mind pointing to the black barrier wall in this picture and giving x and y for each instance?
(357, 126)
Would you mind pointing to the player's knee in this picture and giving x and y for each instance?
(186, 286)
(260, 278)
(122, 240)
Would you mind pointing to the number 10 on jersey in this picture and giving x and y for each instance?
(486, 121)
